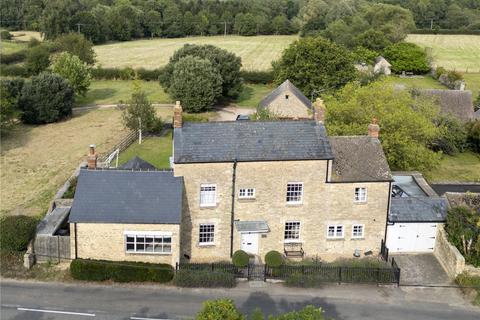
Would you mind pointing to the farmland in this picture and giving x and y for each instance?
(257, 53)
(459, 52)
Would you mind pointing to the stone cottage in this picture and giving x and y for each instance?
(382, 66)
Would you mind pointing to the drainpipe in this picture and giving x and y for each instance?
(388, 211)
(232, 215)
(76, 247)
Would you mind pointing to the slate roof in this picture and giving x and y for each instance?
(457, 103)
(137, 163)
(382, 60)
(117, 196)
(359, 158)
(280, 91)
(246, 141)
(418, 209)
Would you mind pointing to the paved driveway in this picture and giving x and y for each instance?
(421, 269)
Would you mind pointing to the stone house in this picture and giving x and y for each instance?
(251, 185)
(382, 66)
(288, 102)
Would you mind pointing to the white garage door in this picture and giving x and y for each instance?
(411, 237)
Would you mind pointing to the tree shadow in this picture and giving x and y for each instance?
(16, 138)
(94, 95)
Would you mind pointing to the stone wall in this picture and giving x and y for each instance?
(323, 204)
(449, 257)
(289, 108)
(106, 241)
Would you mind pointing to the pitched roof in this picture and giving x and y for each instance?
(250, 141)
(418, 209)
(280, 91)
(382, 60)
(457, 103)
(118, 196)
(359, 158)
(137, 163)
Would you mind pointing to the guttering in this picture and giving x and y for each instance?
(232, 215)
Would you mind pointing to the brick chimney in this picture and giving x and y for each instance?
(92, 157)
(319, 110)
(177, 115)
(373, 129)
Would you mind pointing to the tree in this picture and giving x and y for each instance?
(77, 45)
(407, 57)
(74, 70)
(10, 92)
(222, 309)
(38, 59)
(139, 112)
(46, 98)
(227, 64)
(245, 24)
(196, 83)
(406, 122)
(315, 65)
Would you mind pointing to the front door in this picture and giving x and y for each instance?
(250, 242)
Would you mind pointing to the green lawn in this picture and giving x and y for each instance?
(156, 150)
(463, 167)
(252, 94)
(426, 82)
(7, 47)
(257, 53)
(473, 83)
(459, 52)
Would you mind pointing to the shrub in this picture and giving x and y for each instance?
(240, 258)
(73, 69)
(451, 79)
(46, 98)
(273, 259)
(204, 279)
(13, 57)
(16, 232)
(466, 280)
(438, 72)
(13, 70)
(5, 35)
(473, 135)
(120, 271)
(76, 44)
(307, 313)
(38, 59)
(257, 76)
(10, 90)
(222, 309)
(196, 83)
(408, 57)
(70, 193)
(452, 138)
(149, 75)
(304, 280)
(364, 55)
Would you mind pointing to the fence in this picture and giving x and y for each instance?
(388, 274)
(124, 143)
(52, 247)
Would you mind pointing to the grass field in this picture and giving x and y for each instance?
(426, 82)
(473, 83)
(116, 91)
(459, 52)
(156, 150)
(7, 46)
(461, 167)
(36, 160)
(257, 53)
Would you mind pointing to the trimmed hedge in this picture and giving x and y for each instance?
(120, 271)
(273, 259)
(14, 70)
(240, 258)
(125, 74)
(16, 232)
(13, 57)
(204, 279)
(257, 76)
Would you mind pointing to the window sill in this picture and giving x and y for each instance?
(294, 204)
(210, 206)
(335, 239)
(149, 253)
(360, 202)
(246, 199)
(206, 245)
(292, 242)
(360, 238)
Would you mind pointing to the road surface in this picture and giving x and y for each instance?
(36, 300)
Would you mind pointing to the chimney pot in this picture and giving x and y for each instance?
(177, 115)
(92, 157)
(373, 129)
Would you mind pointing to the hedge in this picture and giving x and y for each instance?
(240, 258)
(16, 232)
(204, 279)
(257, 76)
(13, 70)
(13, 57)
(125, 74)
(446, 31)
(120, 271)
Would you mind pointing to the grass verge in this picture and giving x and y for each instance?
(156, 150)
(464, 167)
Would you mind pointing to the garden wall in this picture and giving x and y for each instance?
(449, 257)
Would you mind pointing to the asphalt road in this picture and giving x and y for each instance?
(33, 300)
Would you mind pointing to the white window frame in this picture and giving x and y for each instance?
(157, 240)
(214, 197)
(294, 232)
(335, 231)
(357, 197)
(246, 193)
(292, 184)
(212, 234)
(362, 236)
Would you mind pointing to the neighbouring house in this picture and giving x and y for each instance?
(457, 103)
(288, 102)
(382, 66)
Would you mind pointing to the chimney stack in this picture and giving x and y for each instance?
(177, 115)
(319, 110)
(92, 157)
(373, 129)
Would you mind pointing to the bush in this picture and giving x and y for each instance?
(273, 259)
(451, 79)
(204, 279)
(452, 138)
(13, 70)
(304, 280)
(16, 232)
(70, 193)
(13, 57)
(120, 271)
(438, 72)
(222, 309)
(257, 76)
(38, 59)
(5, 35)
(10, 90)
(407, 57)
(240, 258)
(73, 69)
(46, 98)
(473, 135)
(100, 73)
(466, 280)
(76, 44)
(307, 313)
